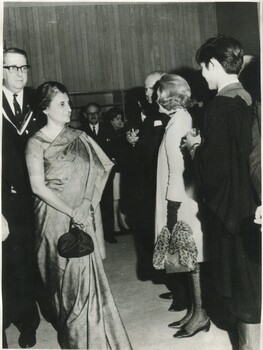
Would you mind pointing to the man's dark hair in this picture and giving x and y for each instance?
(83, 110)
(15, 50)
(92, 104)
(226, 50)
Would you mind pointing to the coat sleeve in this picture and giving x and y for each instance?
(174, 135)
(221, 163)
(255, 158)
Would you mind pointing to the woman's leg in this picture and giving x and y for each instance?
(116, 208)
(199, 314)
(199, 320)
(122, 220)
(116, 201)
(190, 309)
(119, 217)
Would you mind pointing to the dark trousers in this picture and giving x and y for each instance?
(19, 267)
(236, 267)
(178, 284)
(144, 236)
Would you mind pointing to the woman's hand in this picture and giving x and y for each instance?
(172, 211)
(131, 136)
(192, 138)
(82, 215)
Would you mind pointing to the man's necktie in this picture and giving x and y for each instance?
(18, 112)
(94, 130)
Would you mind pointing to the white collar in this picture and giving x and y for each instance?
(96, 126)
(10, 96)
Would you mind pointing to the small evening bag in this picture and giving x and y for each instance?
(75, 243)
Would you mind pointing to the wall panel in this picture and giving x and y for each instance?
(96, 47)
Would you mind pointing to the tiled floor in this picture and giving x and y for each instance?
(144, 314)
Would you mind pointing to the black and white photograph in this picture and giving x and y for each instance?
(131, 175)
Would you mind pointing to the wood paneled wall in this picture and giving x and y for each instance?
(108, 46)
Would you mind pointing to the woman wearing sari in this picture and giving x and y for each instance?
(68, 172)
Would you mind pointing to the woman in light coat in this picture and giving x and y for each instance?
(176, 195)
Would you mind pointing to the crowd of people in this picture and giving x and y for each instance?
(162, 174)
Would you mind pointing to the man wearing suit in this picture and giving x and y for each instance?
(102, 133)
(99, 131)
(19, 123)
(148, 125)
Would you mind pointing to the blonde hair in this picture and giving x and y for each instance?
(173, 92)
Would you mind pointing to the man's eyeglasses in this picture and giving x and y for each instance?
(15, 69)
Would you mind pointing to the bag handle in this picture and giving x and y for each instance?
(72, 223)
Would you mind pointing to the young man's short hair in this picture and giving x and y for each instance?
(226, 50)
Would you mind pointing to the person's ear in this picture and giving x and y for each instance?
(4, 76)
(214, 64)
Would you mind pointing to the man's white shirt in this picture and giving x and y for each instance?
(10, 97)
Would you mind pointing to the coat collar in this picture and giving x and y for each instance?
(236, 89)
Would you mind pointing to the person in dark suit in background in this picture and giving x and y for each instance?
(145, 130)
(115, 119)
(90, 123)
(19, 123)
(102, 133)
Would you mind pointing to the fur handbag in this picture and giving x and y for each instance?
(176, 251)
(75, 243)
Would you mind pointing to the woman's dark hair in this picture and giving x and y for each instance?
(112, 113)
(46, 93)
(226, 50)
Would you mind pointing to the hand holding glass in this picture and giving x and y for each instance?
(132, 137)
(192, 137)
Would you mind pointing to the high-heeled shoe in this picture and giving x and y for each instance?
(182, 333)
(181, 323)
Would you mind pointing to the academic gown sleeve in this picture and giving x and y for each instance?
(221, 162)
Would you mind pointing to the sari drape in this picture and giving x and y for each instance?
(86, 316)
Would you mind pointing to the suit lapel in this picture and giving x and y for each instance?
(26, 105)
(26, 112)
(9, 111)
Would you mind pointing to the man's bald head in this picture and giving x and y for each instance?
(150, 82)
